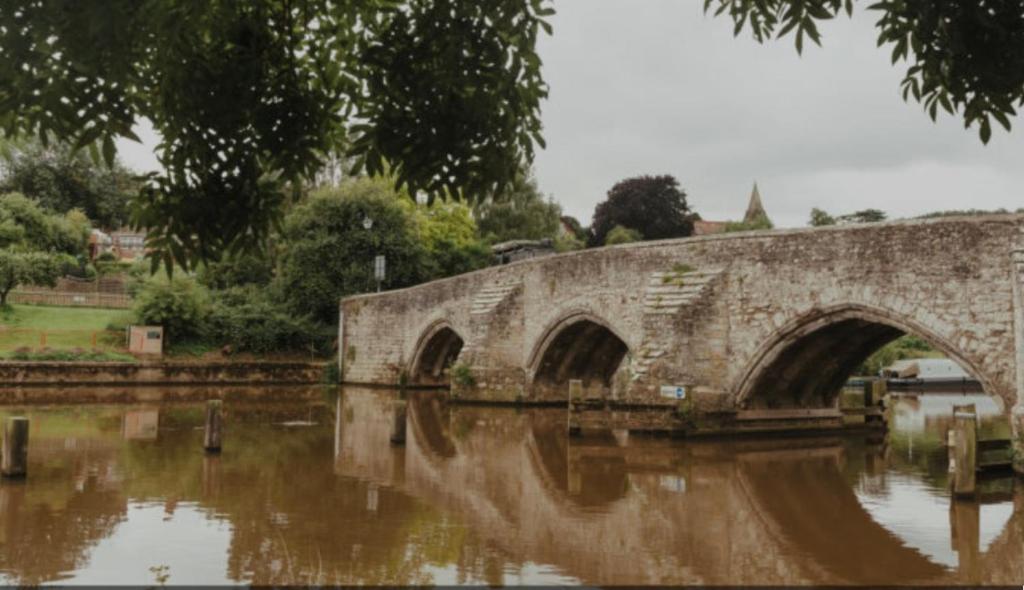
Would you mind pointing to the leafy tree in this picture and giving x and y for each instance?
(28, 268)
(522, 213)
(249, 96)
(862, 216)
(61, 179)
(622, 235)
(820, 218)
(449, 235)
(965, 57)
(328, 253)
(652, 205)
(37, 246)
(24, 223)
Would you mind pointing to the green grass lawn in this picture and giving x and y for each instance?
(60, 318)
(65, 327)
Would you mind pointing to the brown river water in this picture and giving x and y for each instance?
(313, 493)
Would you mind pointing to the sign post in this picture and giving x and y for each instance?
(379, 269)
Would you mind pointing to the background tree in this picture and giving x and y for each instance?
(61, 179)
(18, 267)
(26, 225)
(862, 216)
(522, 213)
(36, 246)
(652, 205)
(965, 57)
(249, 96)
(449, 236)
(327, 253)
(819, 218)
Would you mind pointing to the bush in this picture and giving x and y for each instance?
(180, 305)
(622, 235)
(248, 320)
(236, 270)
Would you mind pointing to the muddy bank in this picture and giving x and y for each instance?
(91, 394)
(28, 373)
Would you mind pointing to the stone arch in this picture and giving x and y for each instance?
(436, 350)
(578, 345)
(807, 362)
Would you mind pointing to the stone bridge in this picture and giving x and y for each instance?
(747, 323)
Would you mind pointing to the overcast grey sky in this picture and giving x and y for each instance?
(657, 87)
(654, 86)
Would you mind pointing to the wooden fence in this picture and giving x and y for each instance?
(66, 299)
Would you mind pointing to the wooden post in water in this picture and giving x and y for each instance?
(14, 462)
(398, 410)
(879, 389)
(211, 436)
(575, 399)
(964, 525)
(963, 450)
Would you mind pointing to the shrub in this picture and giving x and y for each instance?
(249, 320)
(622, 235)
(180, 305)
(462, 375)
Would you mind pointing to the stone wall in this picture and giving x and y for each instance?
(13, 374)
(714, 313)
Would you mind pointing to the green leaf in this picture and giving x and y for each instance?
(109, 151)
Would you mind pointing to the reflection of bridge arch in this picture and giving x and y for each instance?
(829, 526)
(579, 345)
(429, 419)
(806, 364)
(587, 481)
(436, 350)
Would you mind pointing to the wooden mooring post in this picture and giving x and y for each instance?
(14, 461)
(575, 401)
(212, 433)
(963, 450)
(398, 411)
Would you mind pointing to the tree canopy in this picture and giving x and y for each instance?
(820, 217)
(654, 206)
(328, 252)
(36, 245)
(61, 179)
(250, 97)
(964, 57)
(521, 213)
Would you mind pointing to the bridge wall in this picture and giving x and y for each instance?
(712, 313)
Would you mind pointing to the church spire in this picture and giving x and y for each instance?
(755, 210)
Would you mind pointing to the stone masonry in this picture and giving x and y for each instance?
(745, 321)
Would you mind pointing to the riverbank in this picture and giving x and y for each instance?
(145, 373)
(85, 394)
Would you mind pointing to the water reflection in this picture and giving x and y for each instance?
(315, 493)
